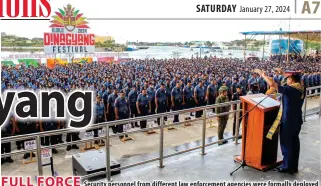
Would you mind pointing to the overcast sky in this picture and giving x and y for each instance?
(161, 30)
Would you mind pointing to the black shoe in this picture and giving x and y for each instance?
(136, 125)
(133, 125)
(3, 161)
(26, 156)
(33, 155)
(60, 141)
(280, 169)
(75, 147)
(19, 147)
(68, 148)
(223, 142)
(54, 151)
(9, 160)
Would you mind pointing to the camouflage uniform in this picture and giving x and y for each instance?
(222, 120)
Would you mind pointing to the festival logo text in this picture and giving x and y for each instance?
(69, 33)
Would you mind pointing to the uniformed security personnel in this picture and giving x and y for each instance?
(188, 96)
(27, 127)
(19, 124)
(168, 93)
(101, 116)
(211, 93)
(49, 140)
(143, 106)
(59, 137)
(177, 100)
(293, 94)
(222, 120)
(6, 131)
(199, 97)
(151, 95)
(121, 111)
(111, 109)
(161, 101)
(236, 96)
(73, 136)
(132, 98)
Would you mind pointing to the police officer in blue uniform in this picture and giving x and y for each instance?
(28, 127)
(188, 96)
(48, 126)
(73, 136)
(151, 95)
(177, 100)
(132, 98)
(211, 93)
(111, 109)
(293, 94)
(168, 93)
(199, 97)
(100, 116)
(121, 111)
(143, 106)
(161, 100)
(6, 131)
(236, 96)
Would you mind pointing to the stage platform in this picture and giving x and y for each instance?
(218, 163)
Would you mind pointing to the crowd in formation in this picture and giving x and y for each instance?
(146, 87)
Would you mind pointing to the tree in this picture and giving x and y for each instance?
(208, 43)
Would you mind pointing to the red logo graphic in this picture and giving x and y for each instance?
(32, 10)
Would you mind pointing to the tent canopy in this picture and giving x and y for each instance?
(307, 36)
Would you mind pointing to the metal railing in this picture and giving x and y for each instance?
(107, 136)
(317, 89)
(161, 127)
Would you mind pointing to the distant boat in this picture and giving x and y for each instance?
(199, 46)
(143, 48)
(230, 54)
(131, 48)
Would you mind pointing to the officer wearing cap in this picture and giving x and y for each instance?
(236, 96)
(161, 100)
(222, 120)
(6, 131)
(293, 94)
(143, 106)
(111, 109)
(151, 95)
(188, 96)
(121, 111)
(177, 100)
(211, 93)
(199, 97)
(132, 98)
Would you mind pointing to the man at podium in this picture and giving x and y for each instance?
(293, 94)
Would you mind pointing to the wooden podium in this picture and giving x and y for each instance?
(259, 152)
